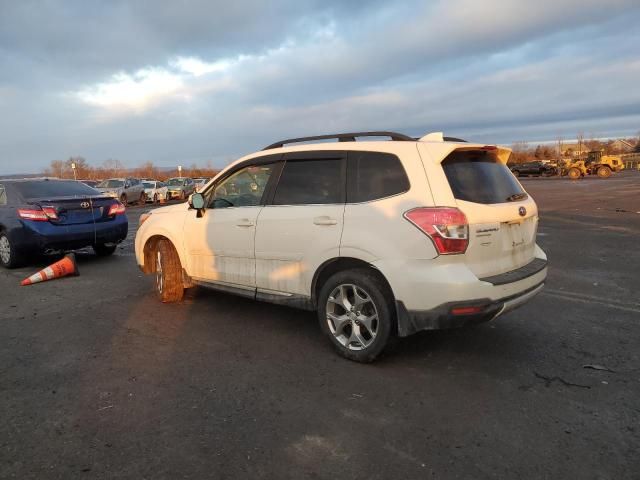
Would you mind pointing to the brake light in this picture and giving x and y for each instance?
(33, 215)
(447, 227)
(116, 209)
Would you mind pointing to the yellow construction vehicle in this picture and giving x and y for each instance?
(595, 163)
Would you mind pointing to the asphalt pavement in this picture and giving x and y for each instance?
(100, 380)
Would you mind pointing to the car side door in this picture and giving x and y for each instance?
(300, 226)
(220, 242)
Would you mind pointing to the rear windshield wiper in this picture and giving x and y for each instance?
(516, 196)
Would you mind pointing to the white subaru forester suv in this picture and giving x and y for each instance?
(382, 238)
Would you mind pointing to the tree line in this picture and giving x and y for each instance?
(113, 168)
(561, 148)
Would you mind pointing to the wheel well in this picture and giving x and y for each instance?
(335, 265)
(149, 250)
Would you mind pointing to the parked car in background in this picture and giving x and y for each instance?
(538, 168)
(90, 183)
(45, 215)
(155, 191)
(127, 190)
(380, 238)
(200, 182)
(180, 187)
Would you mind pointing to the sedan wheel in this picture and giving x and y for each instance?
(5, 250)
(9, 258)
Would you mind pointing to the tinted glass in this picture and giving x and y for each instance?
(242, 189)
(308, 182)
(175, 182)
(148, 184)
(53, 188)
(477, 176)
(374, 175)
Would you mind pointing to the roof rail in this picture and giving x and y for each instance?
(343, 137)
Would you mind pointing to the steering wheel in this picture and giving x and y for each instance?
(246, 200)
(220, 199)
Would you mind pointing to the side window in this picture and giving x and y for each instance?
(310, 182)
(3, 195)
(374, 175)
(244, 188)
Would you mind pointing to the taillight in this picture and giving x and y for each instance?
(50, 212)
(446, 226)
(33, 215)
(116, 209)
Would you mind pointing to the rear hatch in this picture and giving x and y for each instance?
(503, 219)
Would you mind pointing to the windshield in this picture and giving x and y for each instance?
(477, 176)
(110, 184)
(53, 188)
(175, 182)
(148, 184)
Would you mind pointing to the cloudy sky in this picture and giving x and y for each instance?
(182, 82)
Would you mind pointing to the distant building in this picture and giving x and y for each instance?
(620, 146)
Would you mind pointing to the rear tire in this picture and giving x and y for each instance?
(155, 198)
(355, 312)
(9, 258)
(169, 282)
(604, 172)
(574, 173)
(143, 199)
(516, 173)
(123, 200)
(102, 250)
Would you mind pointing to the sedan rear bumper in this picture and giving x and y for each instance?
(36, 237)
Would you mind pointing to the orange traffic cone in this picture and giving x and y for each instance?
(62, 268)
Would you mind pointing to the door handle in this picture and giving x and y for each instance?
(324, 220)
(245, 222)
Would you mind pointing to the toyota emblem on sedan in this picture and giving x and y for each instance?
(87, 205)
(522, 211)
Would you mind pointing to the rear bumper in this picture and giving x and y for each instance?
(441, 317)
(41, 236)
(427, 291)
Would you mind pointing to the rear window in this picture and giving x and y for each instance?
(478, 176)
(110, 184)
(374, 175)
(53, 188)
(310, 182)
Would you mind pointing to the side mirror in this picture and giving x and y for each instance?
(196, 201)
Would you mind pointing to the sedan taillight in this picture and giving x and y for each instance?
(447, 227)
(33, 215)
(116, 209)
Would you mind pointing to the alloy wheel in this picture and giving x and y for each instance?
(5, 250)
(352, 316)
(159, 277)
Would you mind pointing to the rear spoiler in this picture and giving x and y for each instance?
(439, 151)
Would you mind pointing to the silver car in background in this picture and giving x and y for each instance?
(127, 190)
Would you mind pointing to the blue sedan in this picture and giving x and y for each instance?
(44, 215)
